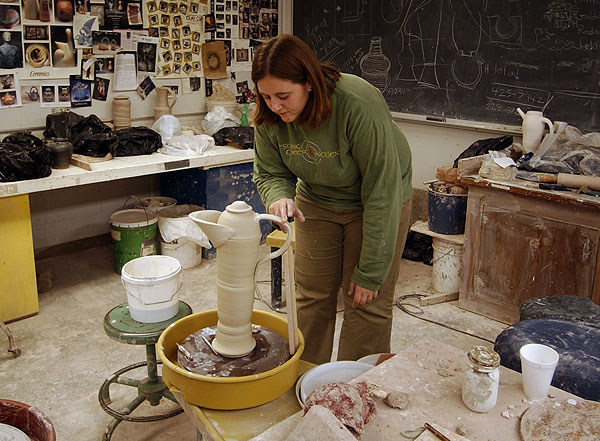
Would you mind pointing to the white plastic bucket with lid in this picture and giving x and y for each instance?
(152, 284)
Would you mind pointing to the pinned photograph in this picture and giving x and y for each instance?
(48, 95)
(63, 93)
(83, 26)
(37, 55)
(214, 60)
(11, 53)
(9, 98)
(36, 32)
(146, 56)
(81, 91)
(30, 94)
(146, 87)
(63, 49)
(134, 13)
(100, 89)
(106, 42)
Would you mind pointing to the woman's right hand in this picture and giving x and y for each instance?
(285, 208)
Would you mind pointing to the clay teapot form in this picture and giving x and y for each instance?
(533, 128)
(235, 233)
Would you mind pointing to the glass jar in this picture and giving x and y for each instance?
(480, 387)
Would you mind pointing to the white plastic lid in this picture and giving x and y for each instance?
(133, 218)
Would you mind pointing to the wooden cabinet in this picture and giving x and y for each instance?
(523, 244)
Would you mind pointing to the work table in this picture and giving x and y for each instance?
(431, 373)
(523, 242)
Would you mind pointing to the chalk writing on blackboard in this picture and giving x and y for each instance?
(475, 60)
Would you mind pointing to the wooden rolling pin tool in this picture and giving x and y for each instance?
(578, 181)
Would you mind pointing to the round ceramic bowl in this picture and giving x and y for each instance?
(225, 393)
(376, 359)
(343, 371)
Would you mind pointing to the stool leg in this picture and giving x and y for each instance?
(275, 281)
(115, 422)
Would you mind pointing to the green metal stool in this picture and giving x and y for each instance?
(119, 326)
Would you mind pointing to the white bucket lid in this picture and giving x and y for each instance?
(133, 218)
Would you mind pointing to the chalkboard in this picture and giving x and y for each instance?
(474, 60)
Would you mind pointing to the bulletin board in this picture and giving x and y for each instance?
(75, 53)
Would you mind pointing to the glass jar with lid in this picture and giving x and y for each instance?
(480, 387)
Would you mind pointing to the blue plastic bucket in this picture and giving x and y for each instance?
(446, 212)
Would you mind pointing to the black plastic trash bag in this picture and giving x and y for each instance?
(418, 248)
(91, 137)
(135, 141)
(482, 146)
(242, 137)
(59, 125)
(24, 156)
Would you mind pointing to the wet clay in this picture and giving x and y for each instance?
(271, 351)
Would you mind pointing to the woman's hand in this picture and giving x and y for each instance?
(362, 296)
(285, 208)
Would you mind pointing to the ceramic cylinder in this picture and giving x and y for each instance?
(121, 112)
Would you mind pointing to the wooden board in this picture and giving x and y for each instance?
(560, 420)
(86, 162)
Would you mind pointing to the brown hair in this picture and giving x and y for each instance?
(289, 58)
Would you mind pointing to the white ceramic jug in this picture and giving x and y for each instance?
(235, 233)
(533, 128)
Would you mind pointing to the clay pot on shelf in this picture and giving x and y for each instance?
(162, 101)
(61, 150)
(121, 112)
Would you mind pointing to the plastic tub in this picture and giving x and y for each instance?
(225, 393)
(152, 284)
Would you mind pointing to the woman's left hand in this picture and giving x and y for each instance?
(362, 296)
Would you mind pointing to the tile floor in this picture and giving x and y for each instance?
(66, 355)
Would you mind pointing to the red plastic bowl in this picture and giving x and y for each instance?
(30, 420)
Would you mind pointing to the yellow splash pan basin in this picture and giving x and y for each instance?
(225, 393)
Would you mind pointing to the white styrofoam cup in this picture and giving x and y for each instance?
(538, 363)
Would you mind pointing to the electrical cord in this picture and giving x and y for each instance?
(417, 312)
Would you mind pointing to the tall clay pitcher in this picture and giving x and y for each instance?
(163, 107)
(235, 233)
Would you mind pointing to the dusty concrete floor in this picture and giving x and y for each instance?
(66, 355)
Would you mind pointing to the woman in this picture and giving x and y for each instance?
(328, 153)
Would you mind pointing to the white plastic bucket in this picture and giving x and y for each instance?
(538, 363)
(447, 266)
(152, 284)
(188, 253)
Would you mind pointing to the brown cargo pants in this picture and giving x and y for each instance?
(328, 245)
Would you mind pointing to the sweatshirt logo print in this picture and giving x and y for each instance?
(309, 151)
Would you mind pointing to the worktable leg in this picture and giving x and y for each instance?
(18, 290)
(275, 280)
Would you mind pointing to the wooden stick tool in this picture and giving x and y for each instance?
(290, 298)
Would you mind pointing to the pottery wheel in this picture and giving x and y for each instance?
(271, 351)
(560, 420)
